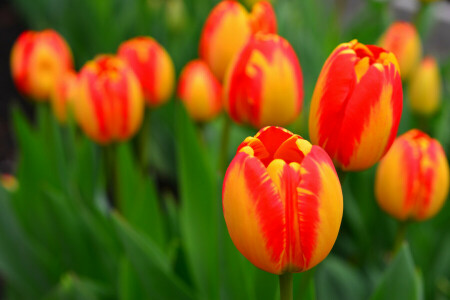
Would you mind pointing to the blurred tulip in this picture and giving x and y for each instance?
(412, 180)
(356, 105)
(282, 201)
(152, 66)
(425, 88)
(200, 91)
(402, 39)
(38, 59)
(109, 105)
(226, 30)
(264, 84)
(9, 182)
(63, 95)
(263, 18)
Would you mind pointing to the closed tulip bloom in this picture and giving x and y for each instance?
(282, 201)
(264, 85)
(109, 105)
(412, 180)
(403, 40)
(356, 105)
(63, 95)
(152, 66)
(38, 60)
(425, 88)
(226, 30)
(200, 91)
(263, 18)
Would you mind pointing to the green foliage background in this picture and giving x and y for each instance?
(164, 237)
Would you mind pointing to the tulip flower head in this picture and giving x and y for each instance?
(356, 105)
(9, 182)
(109, 105)
(153, 67)
(425, 88)
(38, 60)
(264, 84)
(282, 201)
(402, 39)
(63, 95)
(263, 18)
(412, 180)
(200, 91)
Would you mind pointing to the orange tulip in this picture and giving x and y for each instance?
(282, 201)
(152, 66)
(264, 84)
(9, 182)
(200, 91)
(63, 95)
(263, 18)
(412, 180)
(402, 39)
(109, 105)
(38, 59)
(228, 28)
(425, 88)
(356, 105)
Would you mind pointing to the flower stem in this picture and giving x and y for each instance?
(143, 143)
(400, 236)
(223, 158)
(286, 291)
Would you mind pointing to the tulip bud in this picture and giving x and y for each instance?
(402, 39)
(264, 84)
(412, 180)
(425, 88)
(356, 105)
(63, 95)
(109, 105)
(9, 182)
(262, 18)
(200, 91)
(38, 59)
(152, 66)
(226, 30)
(282, 201)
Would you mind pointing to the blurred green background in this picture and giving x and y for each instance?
(164, 237)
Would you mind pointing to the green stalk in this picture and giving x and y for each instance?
(223, 158)
(400, 236)
(286, 286)
(143, 143)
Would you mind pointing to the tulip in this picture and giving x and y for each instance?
(38, 60)
(200, 91)
(109, 104)
(63, 95)
(225, 31)
(412, 180)
(356, 105)
(264, 84)
(263, 18)
(425, 88)
(152, 66)
(402, 39)
(282, 201)
(9, 182)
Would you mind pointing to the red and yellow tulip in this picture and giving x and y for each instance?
(109, 104)
(200, 91)
(282, 201)
(402, 39)
(9, 182)
(38, 60)
(263, 18)
(356, 105)
(153, 67)
(63, 95)
(264, 84)
(227, 30)
(412, 180)
(425, 88)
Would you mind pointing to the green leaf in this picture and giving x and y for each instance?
(138, 201)
(151, 264)
(400, 280)
(129, 286)
(199, 210)
(72, 287)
